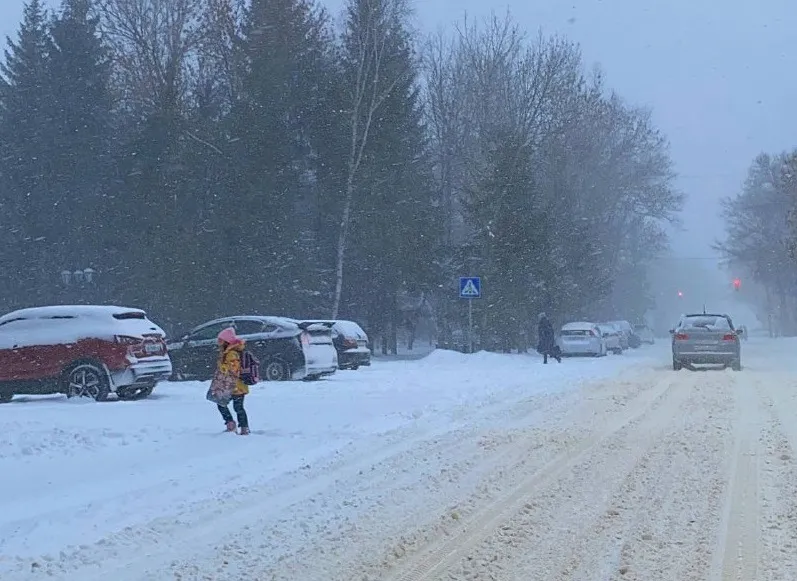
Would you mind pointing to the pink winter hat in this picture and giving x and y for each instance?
(228, 336)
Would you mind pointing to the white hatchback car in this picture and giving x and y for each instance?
(582, 338)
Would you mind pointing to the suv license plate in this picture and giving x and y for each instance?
(152, 348)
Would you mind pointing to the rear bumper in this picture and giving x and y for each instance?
(584, 349)
(142, 373)
(702, 358)
(354, 358)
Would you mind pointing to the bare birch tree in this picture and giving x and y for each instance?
(155, 44)
(368, 47)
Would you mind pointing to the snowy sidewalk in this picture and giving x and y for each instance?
(122, 490)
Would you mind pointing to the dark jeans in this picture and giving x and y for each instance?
(238, 406)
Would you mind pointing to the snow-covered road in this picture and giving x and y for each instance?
(451, 467)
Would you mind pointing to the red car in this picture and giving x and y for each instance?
(81, 351)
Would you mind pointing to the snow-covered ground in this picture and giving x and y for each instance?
(450, 467)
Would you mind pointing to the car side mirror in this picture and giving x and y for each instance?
(740, 331)
(672, 331)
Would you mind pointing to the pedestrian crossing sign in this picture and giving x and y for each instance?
(470, 287)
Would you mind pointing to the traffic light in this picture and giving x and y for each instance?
(737, 283)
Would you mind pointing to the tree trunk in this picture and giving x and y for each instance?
(342, 240)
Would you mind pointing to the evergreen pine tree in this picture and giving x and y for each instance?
(33, 212)
(79, 67)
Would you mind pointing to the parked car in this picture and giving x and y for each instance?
(351, 343)
(634, 342)
(645, 334)
(706, 339)
(612, 336)
(621, 333)
(582, 338)
(81, 351)
(287, 349)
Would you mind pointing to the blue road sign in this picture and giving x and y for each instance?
(470, 287)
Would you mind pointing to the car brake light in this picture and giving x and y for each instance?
(350, 343)
(681, 337)
(125, 340)
(729, 337)
(305, 338)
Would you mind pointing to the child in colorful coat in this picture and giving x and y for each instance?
(230, 349)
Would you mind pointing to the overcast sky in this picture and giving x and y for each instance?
(718, 76)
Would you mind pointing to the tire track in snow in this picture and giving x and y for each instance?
(439, 557)
(777, 558)
(597, 542)
(645, 532)
(737, 556)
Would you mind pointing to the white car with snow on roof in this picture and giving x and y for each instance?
(582, 338)
(81, 351)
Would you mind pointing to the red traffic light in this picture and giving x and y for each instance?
(737, 283)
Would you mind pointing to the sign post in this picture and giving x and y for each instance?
(470, 287)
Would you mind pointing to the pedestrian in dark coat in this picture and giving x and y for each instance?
(546, 342)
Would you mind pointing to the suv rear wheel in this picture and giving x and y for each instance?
(6, 396)
(86, 380)
(275, 370)
(676, 365)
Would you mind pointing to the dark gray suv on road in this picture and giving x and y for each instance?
(706, 339)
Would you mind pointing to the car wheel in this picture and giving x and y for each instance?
(736, 365)
(618, 351)
(354, 367)
(275, 370)
(135, 393)
(676, 365)
(87, 380)
(6, 396)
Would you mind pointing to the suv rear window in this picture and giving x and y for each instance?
(707, 322)
(576, 332)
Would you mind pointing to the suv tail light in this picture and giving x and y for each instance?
(305, 338)
(681, 336)
(729, 337)
(350, 342)
(143, 347)
(592, 333)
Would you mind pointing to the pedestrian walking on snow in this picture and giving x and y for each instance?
(546, 342)
(231, 349)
